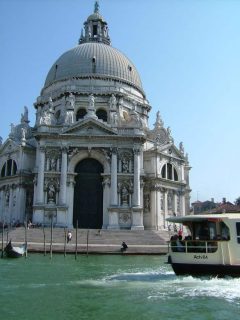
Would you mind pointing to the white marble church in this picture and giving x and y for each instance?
(91, 159)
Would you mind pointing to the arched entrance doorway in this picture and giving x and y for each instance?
(88, 195)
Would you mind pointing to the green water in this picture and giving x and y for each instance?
(110, 287)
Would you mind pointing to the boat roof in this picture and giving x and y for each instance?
(201, 217)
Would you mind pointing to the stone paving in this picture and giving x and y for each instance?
(91, 241)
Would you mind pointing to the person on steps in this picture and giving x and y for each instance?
(124, 246)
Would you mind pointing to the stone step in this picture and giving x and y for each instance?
(104, 241)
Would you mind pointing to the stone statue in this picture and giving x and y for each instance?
(24, 116)
(91, 101)
(69, 114)
(136, 118)
(169, 135)
(159, 123)
(69, 117)
(169, 131)
(124, 196)
(91, 112)
(125, 165)
(181, 148)
(45, 118)
(50, 104)
(114, 118)
(105, 31)
(51, 193)
(113, 102)
(70, 102)
(24, 131)
(53, 163)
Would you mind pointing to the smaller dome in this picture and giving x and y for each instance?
(95, 16)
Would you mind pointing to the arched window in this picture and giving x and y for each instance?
(80, 114)
(14, 168)
(102, 114)
(3, 171)
(9, 168)
(169, 172)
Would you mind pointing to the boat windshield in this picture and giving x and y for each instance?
(203, 236)
(209, 230)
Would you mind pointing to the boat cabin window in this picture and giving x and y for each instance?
(224, 231)
(205, 230)
(238, 231)
(212, 230)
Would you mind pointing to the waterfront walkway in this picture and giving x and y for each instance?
(91, 241)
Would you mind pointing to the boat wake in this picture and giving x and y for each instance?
(165, 285)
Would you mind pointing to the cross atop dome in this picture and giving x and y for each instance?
(95, 28)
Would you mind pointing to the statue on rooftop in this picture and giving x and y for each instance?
(24, 116)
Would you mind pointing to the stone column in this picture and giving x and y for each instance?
(40, 178)
(1, 205)
(113, 212)
(106, 200)
(175, 199)
(165, 204)
(137, 211)
(136, 179)
(153, 212)
(63, 179)
(69, 218)
(159, 218)
(10, 204)
(182, 204)
(114, 195)
(21, 202)
(182, 172)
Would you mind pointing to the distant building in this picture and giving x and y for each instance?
(200, 207)
(91, 157)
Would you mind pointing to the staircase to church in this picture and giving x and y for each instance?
(93, 241)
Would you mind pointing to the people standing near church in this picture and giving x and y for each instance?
(69, 236)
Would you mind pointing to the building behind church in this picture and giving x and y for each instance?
(91, 159)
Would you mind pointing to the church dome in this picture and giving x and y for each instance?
(97, 60)
(94, 57)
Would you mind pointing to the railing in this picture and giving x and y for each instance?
(193, 246)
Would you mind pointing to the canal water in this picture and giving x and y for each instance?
(116, 287)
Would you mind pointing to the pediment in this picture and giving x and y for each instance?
(172, 150)
(91, 127)
(9, 146)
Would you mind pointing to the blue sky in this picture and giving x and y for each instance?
(186, 51)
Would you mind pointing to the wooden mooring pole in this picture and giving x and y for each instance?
(7, 235)
(51, 241)
(2, 240)
(65, 241)
(26, 248)
(44, 241)
(76, 249)
(87, 240)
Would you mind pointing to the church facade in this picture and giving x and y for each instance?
(91, 159)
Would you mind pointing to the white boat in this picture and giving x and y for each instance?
(212, 246)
